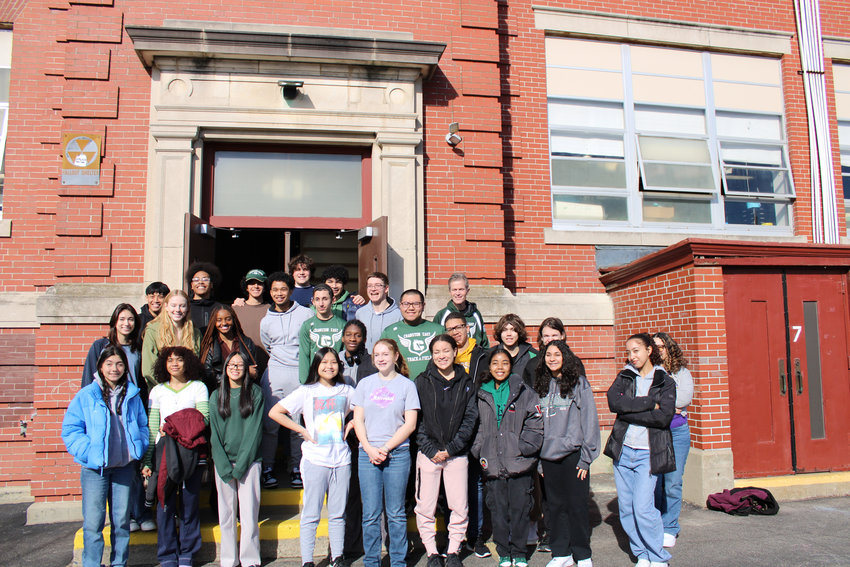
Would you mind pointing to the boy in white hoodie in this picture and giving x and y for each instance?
(279, 331)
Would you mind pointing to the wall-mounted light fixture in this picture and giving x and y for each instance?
(453, 138)
(290, 88)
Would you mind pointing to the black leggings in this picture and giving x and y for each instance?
(568, 521)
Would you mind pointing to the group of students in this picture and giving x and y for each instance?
(370, 392)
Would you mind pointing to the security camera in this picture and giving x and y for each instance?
(453, 139)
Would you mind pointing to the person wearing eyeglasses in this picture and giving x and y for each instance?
(202, 278)
(381, 311)
(413, 333)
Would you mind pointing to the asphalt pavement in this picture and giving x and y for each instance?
(807, 533)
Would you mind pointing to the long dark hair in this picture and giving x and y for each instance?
(135, 335)
(675, 358)
(192, 367)
(112, 350)
(571, 371)
(313, 373)
(484, 375)
(211, 333)
(654, 355)
(246, 393)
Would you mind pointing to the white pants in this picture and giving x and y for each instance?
(247, 493)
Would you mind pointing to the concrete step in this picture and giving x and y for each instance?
(279, 528)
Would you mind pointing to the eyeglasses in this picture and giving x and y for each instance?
(411, 303)
(200, 280)
(236, 366)
(455, 328)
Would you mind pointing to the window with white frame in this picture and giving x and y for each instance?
(5, 69)
(665, 139)
(841, 75)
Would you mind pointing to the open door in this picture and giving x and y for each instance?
(198, 241)
(371, 250)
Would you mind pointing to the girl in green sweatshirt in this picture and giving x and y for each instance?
(236, 421)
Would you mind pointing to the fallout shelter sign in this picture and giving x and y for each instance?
(80, 159)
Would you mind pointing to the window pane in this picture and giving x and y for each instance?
(673, 176)
(591, 207)
(287, 185)
(4, 85)
(586, 115)
(757, 213)
(588, 173)
(749, 126)
(747, 180)
(672, 120)
(845, 178)
(671, 209)
(765, 156)
(587, 146)
(674, 149)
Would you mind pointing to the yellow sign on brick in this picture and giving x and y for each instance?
(80, 159)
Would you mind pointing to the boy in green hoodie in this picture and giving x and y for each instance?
(324, 329)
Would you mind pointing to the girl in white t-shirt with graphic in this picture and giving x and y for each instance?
(325, 402)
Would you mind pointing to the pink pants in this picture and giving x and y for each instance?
(453, 472)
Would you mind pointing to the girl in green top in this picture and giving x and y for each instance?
(236, 421)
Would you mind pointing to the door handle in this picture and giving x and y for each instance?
(799, 374)
(783, 382)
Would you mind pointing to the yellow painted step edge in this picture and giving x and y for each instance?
(794, 480)
(270, 530)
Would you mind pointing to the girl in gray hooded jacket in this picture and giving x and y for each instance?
(570, 444)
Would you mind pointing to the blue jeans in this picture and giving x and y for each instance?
(639, 517)
(382, 488)
(668, 493)
(110, 486)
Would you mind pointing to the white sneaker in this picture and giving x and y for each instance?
(134, 526)
(585, 562)
(561, 561)
(669, 540)
(658, 564)
(642, 563)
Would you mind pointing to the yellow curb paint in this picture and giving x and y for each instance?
(794, 480)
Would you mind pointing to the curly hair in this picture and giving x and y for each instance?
(568, 375)
(401, 364)
(121, 386)
(302, 259)
(654, 355)
(484, 375)
(675, 359)
(246, 393)
(337, 272)
(192, 367)
(513, 320)
(211, 269)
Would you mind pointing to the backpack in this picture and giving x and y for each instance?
(744, 501)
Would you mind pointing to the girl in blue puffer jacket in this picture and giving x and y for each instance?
(106, 431)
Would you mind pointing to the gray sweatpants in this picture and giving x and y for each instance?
(277, 383)
(318, 481)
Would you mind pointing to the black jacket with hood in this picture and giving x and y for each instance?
(449, 412)
(640, 410)
(525, 354)
(510, 449)
(201, 309)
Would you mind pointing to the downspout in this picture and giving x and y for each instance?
(824, 202)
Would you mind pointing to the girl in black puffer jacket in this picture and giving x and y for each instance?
(644, 398)
(510, 434)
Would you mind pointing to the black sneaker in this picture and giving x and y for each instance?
(434, 560)
(269, 480)
(543, 545)
(340, 562)
(309, 564)
(478, 548)
(295, 479)
(453, 560)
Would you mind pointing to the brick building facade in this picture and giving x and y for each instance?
(593, 133)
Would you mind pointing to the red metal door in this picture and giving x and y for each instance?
(758, 387)
(817, 315)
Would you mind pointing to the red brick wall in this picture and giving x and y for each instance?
(686, 303)
(17, 376)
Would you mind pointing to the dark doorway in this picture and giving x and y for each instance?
(239, 250)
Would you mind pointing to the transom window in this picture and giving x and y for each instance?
(666, 139)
